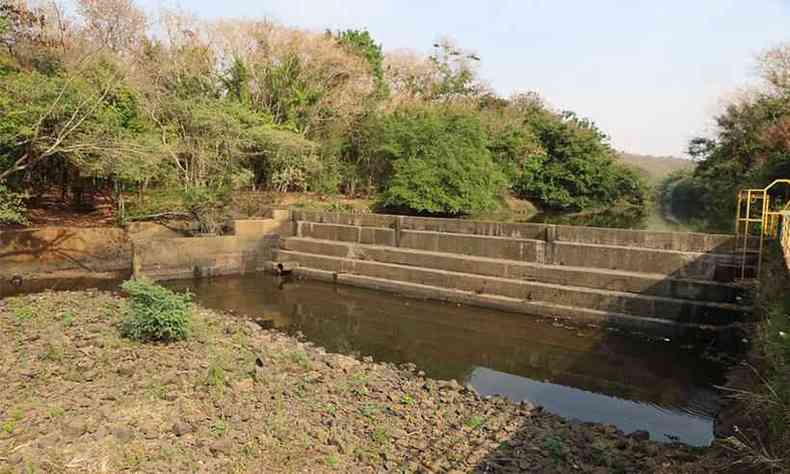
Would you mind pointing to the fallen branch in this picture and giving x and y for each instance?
(161, 215)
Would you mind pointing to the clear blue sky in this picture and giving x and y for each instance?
(650, 73)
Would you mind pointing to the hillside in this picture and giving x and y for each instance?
(655, 167)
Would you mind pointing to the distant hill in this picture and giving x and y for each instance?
(654, 168)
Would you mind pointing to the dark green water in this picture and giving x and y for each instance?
(586, 374)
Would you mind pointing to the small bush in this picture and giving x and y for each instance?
(157, 314)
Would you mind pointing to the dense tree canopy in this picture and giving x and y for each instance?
(105, 97)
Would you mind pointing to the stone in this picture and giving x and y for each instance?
(221, 446)
(338, 361)
(122, 434)
(74, 429)
(244, 385)
(125, 370)
(252, 326)
(181, 428)
(448, 385)
(640, 435)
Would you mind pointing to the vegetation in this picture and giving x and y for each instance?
(181, 115)
(12, 209)
(750, 148)
(156, 314)
(763, 443)
(436, 162)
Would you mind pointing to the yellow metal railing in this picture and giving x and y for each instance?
(784, 238)
(760, 215)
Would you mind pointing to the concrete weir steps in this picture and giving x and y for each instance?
(679, 263)
(634, 277)
(501, 303)
(675, 309)
(604, 279)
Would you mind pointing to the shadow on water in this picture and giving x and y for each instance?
(684, 401)
(587, 374)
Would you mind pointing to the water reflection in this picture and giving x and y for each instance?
(691, 425)
(590, 375)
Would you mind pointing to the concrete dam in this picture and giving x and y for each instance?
(651, 280)
(644, 279)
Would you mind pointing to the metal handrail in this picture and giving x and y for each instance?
(768, 220)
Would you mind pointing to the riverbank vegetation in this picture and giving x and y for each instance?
(758, 418)
(749, 148)
(173, 114)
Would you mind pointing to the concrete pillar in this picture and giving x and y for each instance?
(398, 227)
(550, 249)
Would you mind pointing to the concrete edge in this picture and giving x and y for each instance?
(501, 303)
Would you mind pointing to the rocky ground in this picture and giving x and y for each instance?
(234, 397)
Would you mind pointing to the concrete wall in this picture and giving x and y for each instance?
(559, 245)
(245, 251)
(37, 257)
(54, 249)
(678, 241)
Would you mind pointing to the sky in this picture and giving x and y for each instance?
(652, 74)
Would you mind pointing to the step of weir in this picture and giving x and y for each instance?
(607, 301)
(630, 282)
(680, 241)
(680, 264)
(502, 303)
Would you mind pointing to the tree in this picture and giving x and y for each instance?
(438, 162)
(116, 24)
(751, 145)
(361, 43)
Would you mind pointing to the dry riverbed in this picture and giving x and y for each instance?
(234, 397)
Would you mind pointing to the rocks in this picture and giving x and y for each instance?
(342, 362)
(640, 435)
(126, 370)
(221, 446)
(123, 434)
(74, 428)
(244, 385)
(181, 428)
(469, 389)
(291, 406)
(252, 326)
(448, 385)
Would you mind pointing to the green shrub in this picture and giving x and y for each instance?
(156, 314)
(578, 170)
(12, 208)
(439, 162)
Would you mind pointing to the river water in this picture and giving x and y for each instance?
(585, 374)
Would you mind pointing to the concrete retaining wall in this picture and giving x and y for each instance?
(246, 251)
(56, 249)
(37, 258)
(678, 241)
(562, 245)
